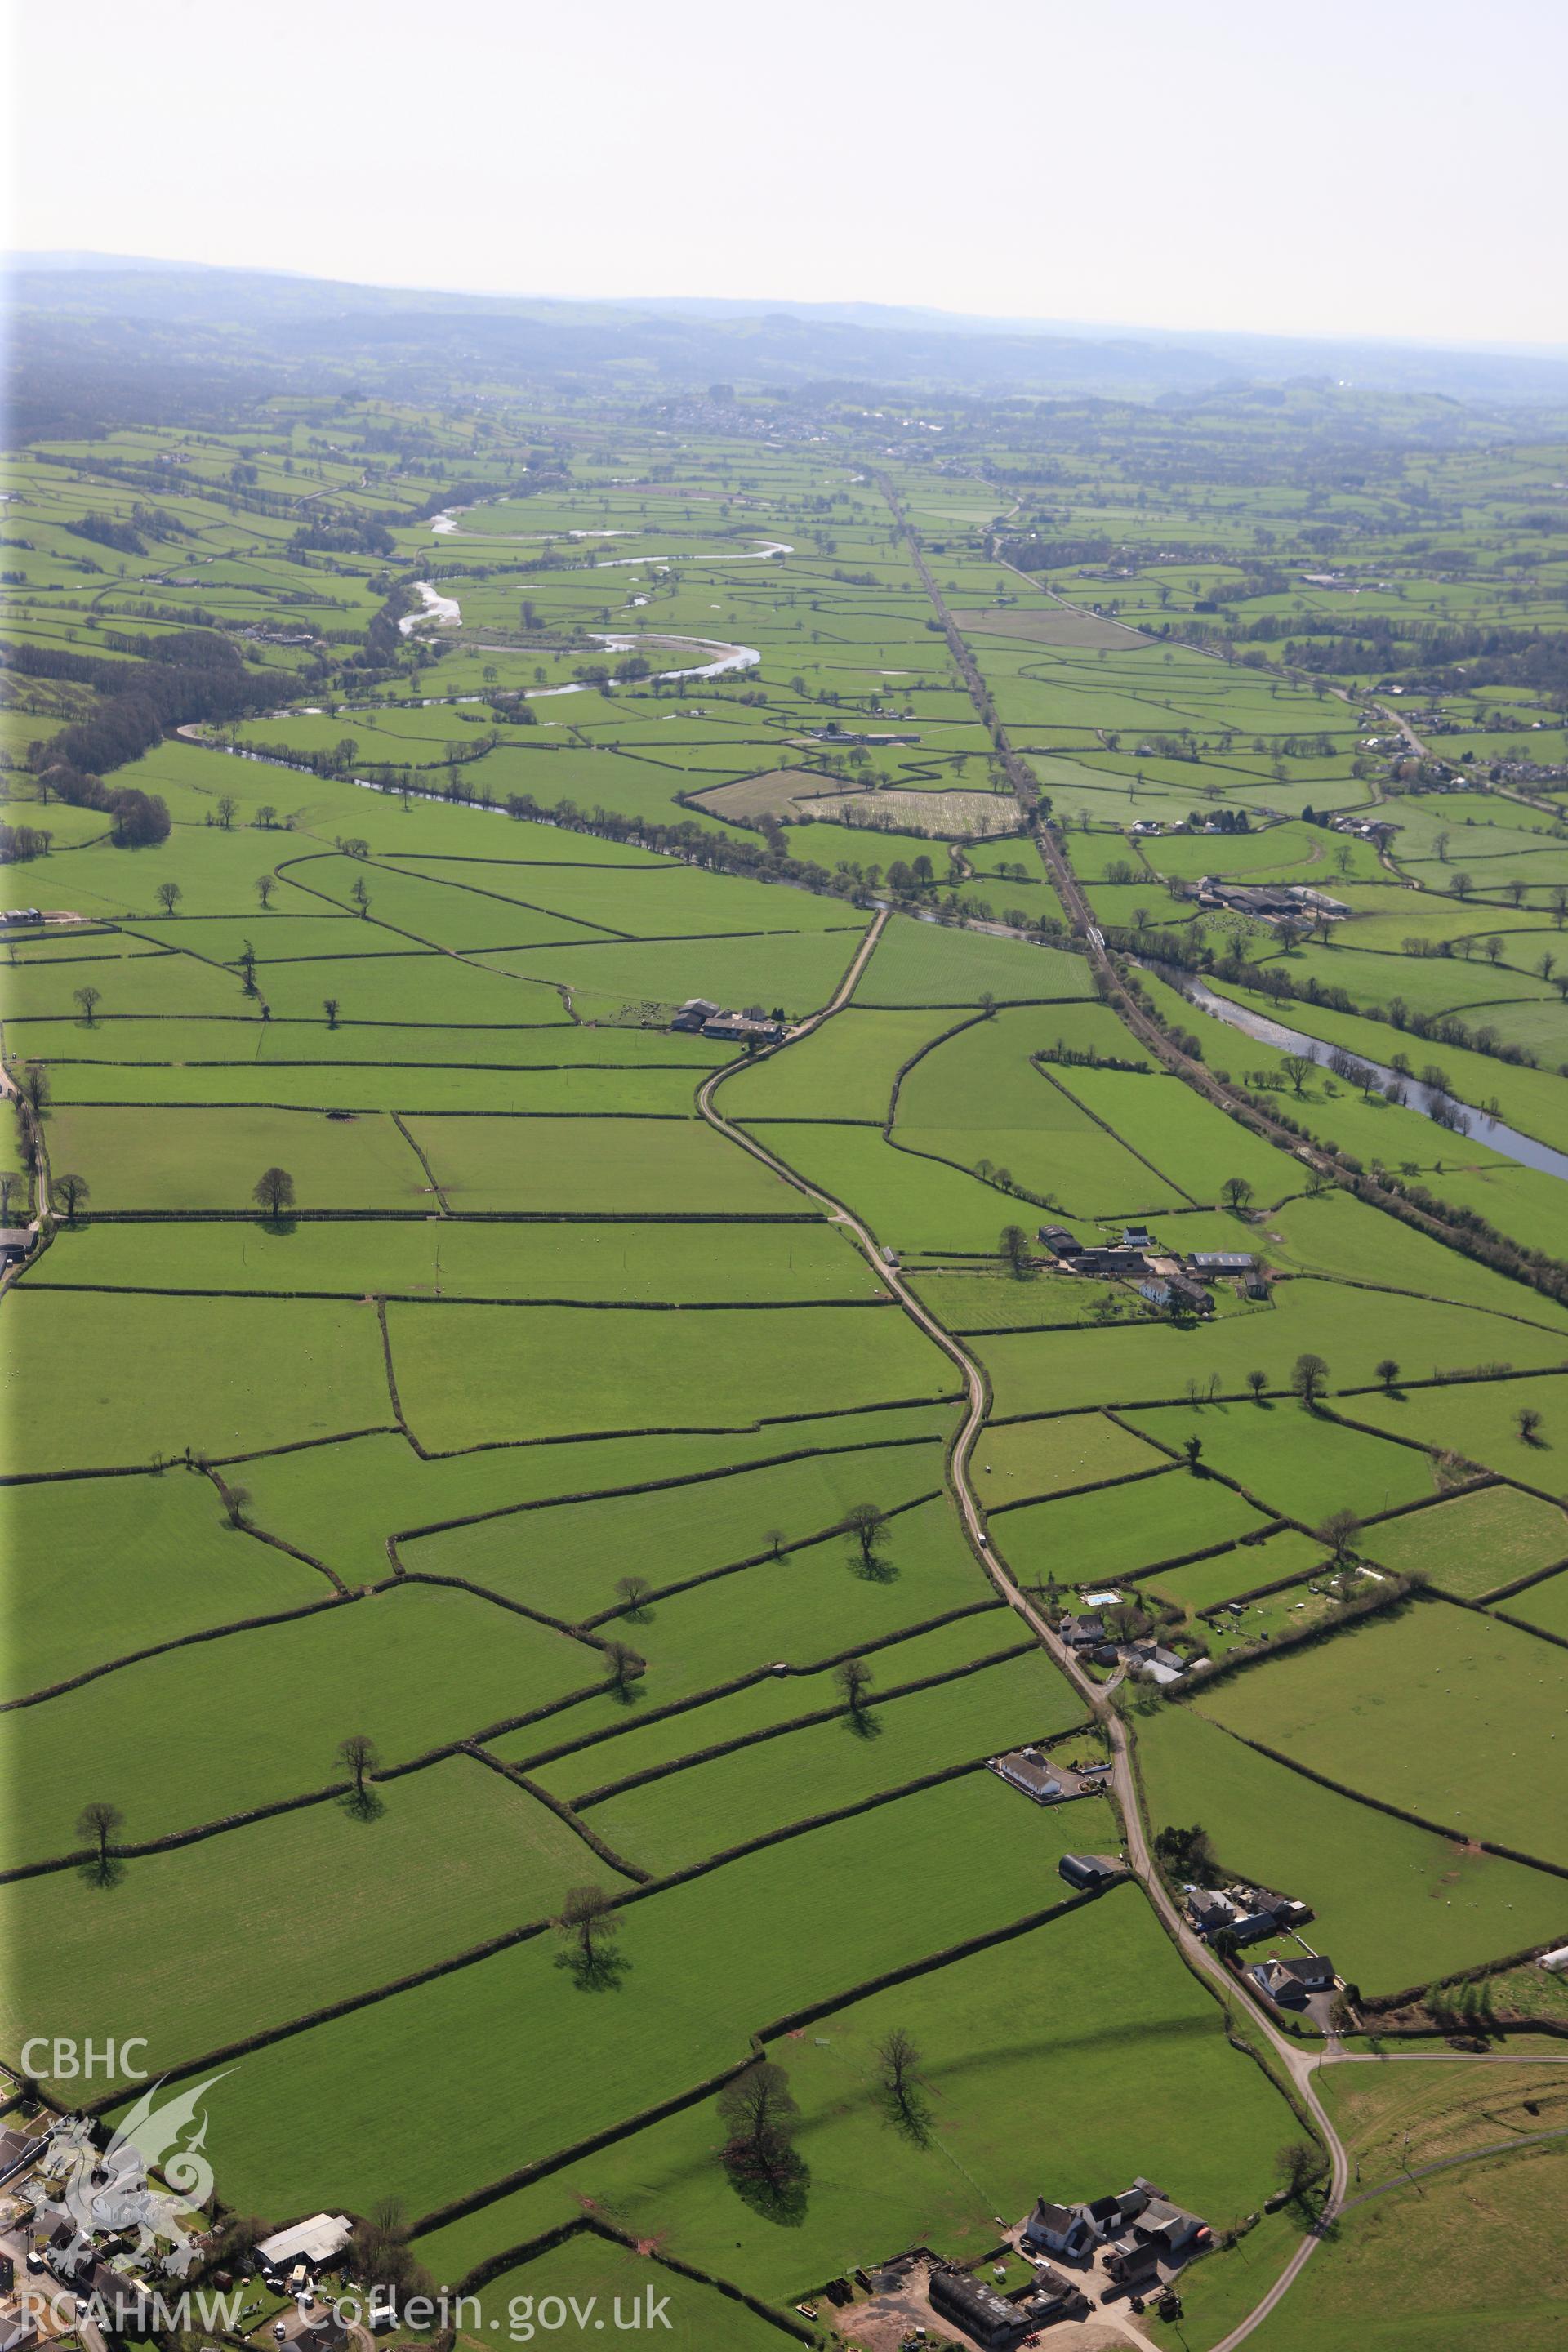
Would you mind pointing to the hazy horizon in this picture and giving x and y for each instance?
(1210, 174)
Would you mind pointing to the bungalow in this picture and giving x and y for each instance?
(1026, 1768)
(1091, 1870)
(694, 1013)
(1063, 2229)
(1290, 1982)
(1082, 1633)
(979, 2310)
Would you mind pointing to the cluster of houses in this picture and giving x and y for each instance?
(1241, 1913)
(1139, 2234)
(1090, 1637)
(48, 2253)
(1167, 1280)
(700, 1016)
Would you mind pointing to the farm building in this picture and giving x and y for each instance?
(306, 2246)
(15, 1240)
(1216, 1261)
(979, 2310)
(1091, 1870)
(694, 1013)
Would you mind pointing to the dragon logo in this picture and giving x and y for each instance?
(109, 2191)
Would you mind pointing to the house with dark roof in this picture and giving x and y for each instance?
(1290, 1982)
(1082, 1633)
(978, 2309)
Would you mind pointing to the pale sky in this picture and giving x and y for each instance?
(1366, 167)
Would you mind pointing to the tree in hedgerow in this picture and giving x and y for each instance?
(1257, 1382)
(1337, 1533)
(622, 1664)
(854, 1679)
(330, 1007)
(868, 1525)
(759, 2116)
(88, 1001)
(1237, 1191)
(70, 1192)
(169, 896)
(359, 1752)
(274, 1191)
(1299, 2165)
(1387, 1371)
(635, 1593)
(96, 1824)
(589, 1919)
(1309, 1379)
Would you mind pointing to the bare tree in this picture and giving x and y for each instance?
(89, 999)
(635, 1592)
(868, 1525)
(225, 810)
(274, 1191)
(622, 1664)
(96, 1824)
(775, 1539)
(360, 893)
(70, 1192)
(900, 2063)
(1257, 1382)
(854, 1679)
(586, 1913)
(330, 1007)
(1527, 1421)
(169, 896)
(1298, 1068)
(358, 1751)
(265, 885)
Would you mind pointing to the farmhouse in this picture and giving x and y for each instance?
(1060, 2230)
(1082, 1633)
(748, 1028)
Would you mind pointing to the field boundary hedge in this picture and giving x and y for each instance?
(178, 1642)
(1397, 1812)
(656, 1485)
(593, 2225)
(759, 1559)
(652, 1772)
(443, 1204)
(564, 1812)
(1089, 1487)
